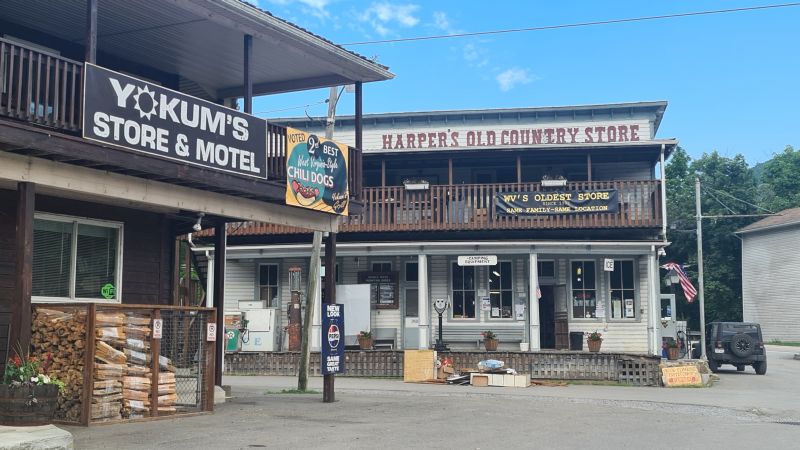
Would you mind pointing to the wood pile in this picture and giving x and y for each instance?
(62, 334)
(109, 366)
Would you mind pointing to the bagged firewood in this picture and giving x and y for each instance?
(109, 319)
(165, 364)
(131, 394)
(164, 389)
(137, 332)
(138, 371)
(114, 335)
(136, 383)
(109, 354)
(110, 410)
(137, 319)
(106, 387)
(107, 398)
(137, 344)
(109, 371)
(167, 409)
(167, 400)
(136, 405)
(166, 378)
(137, 358)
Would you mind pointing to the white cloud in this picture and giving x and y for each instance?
(441, 21)
(474, 55)
(383, 15)
(513, 77)
(316, 8)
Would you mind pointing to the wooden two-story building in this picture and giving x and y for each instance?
(126, 123)
(533, 223)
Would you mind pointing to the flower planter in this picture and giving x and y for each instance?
(365, 343)
(490, 344)
(27, 405)
(673, 353)
(594, 346)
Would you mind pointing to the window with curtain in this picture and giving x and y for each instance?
(75, 259)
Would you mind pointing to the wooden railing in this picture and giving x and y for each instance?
(46, 89)
(472, 207)
(39, 87)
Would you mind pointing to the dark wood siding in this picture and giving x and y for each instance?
(8, 205)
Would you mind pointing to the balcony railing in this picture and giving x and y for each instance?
(45, 89)
(472, 207)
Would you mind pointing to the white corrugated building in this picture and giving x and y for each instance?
(770, 264)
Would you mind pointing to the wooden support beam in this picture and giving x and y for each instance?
(519, 169)
(220, 244)
(21, 304)
(450, 171)
(91, 31)
(383, 172)
(248, 79)
(359, 130)
(589, 166)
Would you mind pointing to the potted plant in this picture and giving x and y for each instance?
(365, 340)
(489, 340)
(594, 340)
(673, 349)
(28, 396)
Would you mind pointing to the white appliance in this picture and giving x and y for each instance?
(261, 326)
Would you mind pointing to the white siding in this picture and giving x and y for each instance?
(634, 170)
(240, 283)
(770, 266)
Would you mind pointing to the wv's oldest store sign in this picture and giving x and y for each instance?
(557, 202)
(131, 113)
(316, 173)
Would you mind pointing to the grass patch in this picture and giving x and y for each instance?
(786, 343)
(292, 391)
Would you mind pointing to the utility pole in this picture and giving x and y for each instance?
(700, 291)
(313, 268)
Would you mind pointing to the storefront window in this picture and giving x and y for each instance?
(463, 291)
(75, 259)
(622, 291)
(501, 291)
(584, 292)
(268, 285)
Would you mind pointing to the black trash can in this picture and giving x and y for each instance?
(576, 340)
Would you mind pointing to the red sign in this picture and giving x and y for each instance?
(601, 133)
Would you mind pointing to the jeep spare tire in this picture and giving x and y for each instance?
(742, 345)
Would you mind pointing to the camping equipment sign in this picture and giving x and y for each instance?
(316, 173)
(128, 112)
(557, 202)
(333, 339)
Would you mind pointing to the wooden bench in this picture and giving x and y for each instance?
(475, 334)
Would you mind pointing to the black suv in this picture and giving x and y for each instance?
(736, 343)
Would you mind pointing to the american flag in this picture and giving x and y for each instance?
(688, 290)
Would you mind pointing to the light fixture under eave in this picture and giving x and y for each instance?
(496, 273)
(198, 226)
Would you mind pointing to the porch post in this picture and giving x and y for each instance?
(423, 309)
(328, 381)
(21, 303)
(653, 286)
(358, 165)
(248, 80)
(220, 242)
(533, 309)
(91, 31)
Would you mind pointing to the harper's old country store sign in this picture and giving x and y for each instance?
(128, 112)
(557, 202)
(593, 133)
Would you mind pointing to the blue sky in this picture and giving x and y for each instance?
(731, 79)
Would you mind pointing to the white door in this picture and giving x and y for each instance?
(411, 319)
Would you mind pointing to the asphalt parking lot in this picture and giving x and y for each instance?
(743, 410)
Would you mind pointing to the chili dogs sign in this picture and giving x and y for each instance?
(557, 202)
(316, 173)
(127, 112)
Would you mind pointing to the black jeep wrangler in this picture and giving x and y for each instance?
(736, 343)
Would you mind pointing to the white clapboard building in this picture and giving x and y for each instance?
(534, 223)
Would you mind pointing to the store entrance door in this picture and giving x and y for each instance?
(547, 318)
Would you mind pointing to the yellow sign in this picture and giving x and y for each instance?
(316, 173)
(681, 376)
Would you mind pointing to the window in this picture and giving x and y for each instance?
(463, 291)
(381, 267)
(268, 291)
(622, 291)
(501, 292)
(75, 258)
(412, 302)
(584, 292)
(547, 269)
(412, 272)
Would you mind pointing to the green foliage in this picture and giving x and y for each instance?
(779, 179)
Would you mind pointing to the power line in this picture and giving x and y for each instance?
(737, 199)
(293, 107)
(577, 24)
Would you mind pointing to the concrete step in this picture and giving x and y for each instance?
(45, 437)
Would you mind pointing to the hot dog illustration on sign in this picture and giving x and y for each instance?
(316, 173)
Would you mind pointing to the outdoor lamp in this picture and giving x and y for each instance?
(672, 276)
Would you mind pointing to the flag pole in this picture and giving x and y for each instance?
(700, 290)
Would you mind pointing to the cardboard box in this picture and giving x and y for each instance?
(479, 379)
(419, 365)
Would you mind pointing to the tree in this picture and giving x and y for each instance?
(724, 180)
(779, 179)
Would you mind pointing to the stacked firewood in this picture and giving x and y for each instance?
(167, 395)
(109, 367)
(61, 333)
(138, 375)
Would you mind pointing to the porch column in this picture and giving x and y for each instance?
(21, 303)
(91, 32)
(220, 243)
(248, 80)
(653, 300)
(533, 309)
(423, 309)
